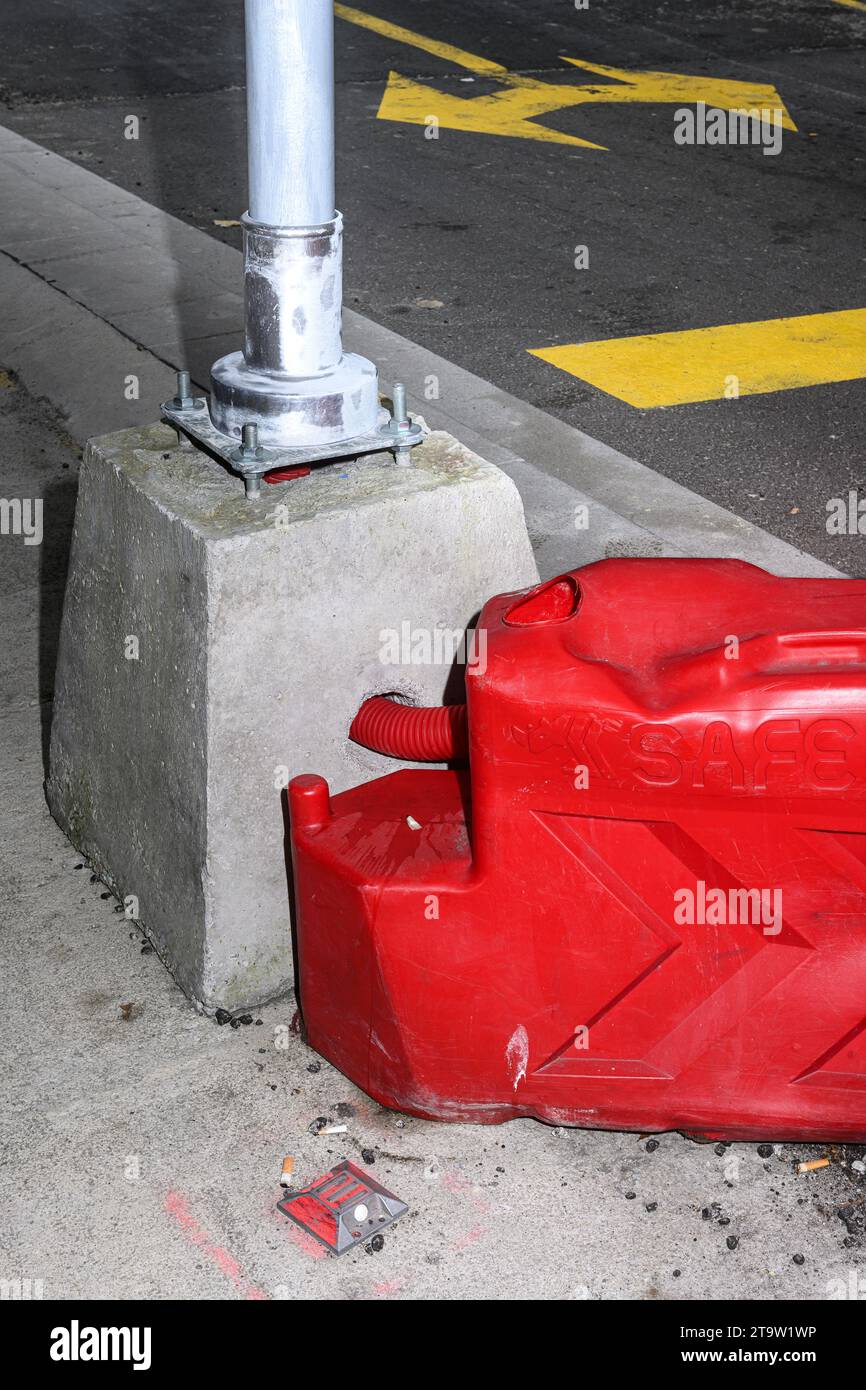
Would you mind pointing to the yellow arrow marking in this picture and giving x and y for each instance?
(657, 369)
(502, 113)
(512, 110)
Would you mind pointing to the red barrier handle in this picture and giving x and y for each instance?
(826, 650)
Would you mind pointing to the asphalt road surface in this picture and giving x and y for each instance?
(465, 233)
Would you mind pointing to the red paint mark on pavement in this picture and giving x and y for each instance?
(454, 1182)
(459, 1186)
(306, 1242)
(388, 1288)
(468, 1238)
(177, 1207)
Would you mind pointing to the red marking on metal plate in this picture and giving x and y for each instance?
(285, 475)
(310, 1214)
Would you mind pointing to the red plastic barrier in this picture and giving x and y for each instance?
(644, 906)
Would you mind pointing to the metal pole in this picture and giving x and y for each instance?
(290, 111)
(293, 378)
(292, 396)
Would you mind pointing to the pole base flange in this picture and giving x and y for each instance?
(295, 412)
(190, 417)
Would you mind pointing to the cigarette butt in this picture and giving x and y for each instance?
(334, 1129)
(812, 1164)
(288, 1170)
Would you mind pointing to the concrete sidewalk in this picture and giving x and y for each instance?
(142, 1142)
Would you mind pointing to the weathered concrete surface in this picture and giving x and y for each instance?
(213, 647)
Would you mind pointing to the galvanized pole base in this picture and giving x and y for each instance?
(292, 396)
(189, 414)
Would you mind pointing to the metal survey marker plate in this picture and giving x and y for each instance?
(343, 1208)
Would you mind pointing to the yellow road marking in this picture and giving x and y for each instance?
(502, 113)
(676, 88)
(401, 35)
(852, 4)
(511, 111)
(701, 364)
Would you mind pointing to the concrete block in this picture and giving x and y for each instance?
(212, 647)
